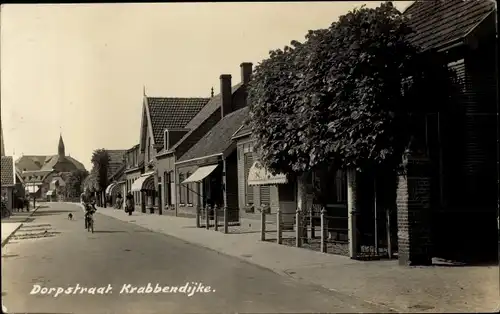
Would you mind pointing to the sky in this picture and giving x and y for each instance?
(81, 69)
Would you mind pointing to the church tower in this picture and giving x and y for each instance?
(61, 151)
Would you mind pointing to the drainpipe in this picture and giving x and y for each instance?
(498, 127)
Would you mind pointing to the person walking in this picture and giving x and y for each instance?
(129, 205)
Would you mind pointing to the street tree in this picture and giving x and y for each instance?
(100, 161)
(75, 182)
(349, 96)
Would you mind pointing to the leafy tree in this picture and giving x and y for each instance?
(350, 95)
(75, 182)
(100, 161)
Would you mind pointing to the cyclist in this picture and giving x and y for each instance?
(88, 203)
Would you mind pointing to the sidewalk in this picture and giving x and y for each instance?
(11, 224)
(403, 289)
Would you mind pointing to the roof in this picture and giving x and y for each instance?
(437, 23)
(7, 171)
(170, 113)
(218, 139)
(212, 106)
(43, 162)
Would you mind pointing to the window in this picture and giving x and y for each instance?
(249, 199)
(172, 188)
(337, 190)
(181, 189)
(189, 189)
(166, 187)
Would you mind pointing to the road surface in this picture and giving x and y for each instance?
(97, 273)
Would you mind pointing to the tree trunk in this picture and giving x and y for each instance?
(353, 210)
(302, 203)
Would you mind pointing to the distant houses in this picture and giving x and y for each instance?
(198, 152)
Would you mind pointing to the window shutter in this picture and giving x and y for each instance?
(265, 195)
(249, 199)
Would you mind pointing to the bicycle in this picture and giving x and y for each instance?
(90, 221)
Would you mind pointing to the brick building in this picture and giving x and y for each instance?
(38, 171)
(194, 131)
(447, 203)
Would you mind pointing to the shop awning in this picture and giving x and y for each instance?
(200, 174)
(50, 193)
(144, 182)
(259, 175)
(32, 188)
(117, 188)
(109, 188)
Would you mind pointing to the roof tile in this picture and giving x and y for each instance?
(218, 139)
(7, 171)
(437, 22)
(212, 106)
(169, 113)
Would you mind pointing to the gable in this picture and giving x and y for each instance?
(171, 113)
(146, 129)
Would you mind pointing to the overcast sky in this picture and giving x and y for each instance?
(81, 68)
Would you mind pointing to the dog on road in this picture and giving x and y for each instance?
(70, 216)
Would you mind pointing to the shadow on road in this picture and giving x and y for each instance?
(52, 212)
(17, 220)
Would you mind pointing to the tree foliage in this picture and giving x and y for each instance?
(100, 162)
(349, 95)
(74, 184)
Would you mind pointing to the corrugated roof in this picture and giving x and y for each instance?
(437, 23)
(169, 113)
(218, 139)
(7, 171)
(211, 107)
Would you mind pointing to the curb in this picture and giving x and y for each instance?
(6, 240)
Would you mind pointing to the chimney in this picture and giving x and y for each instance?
(246, 72)
(226, 94)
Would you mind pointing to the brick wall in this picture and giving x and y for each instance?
(413, 210)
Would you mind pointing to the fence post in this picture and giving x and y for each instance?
(198, 223)
(226, 220)
(262, 225)
(279, 235)
(323, 231)
(207, 216)
(298, 229)
(216, 218)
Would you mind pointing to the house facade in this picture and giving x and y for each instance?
(456, 187)
(207, 173)
(177, 200)
(134, 168)
(163, 123)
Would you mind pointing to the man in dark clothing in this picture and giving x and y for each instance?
(129, 205)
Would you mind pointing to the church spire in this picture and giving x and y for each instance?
(61, 151)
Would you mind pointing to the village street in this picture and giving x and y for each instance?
(61, 253)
